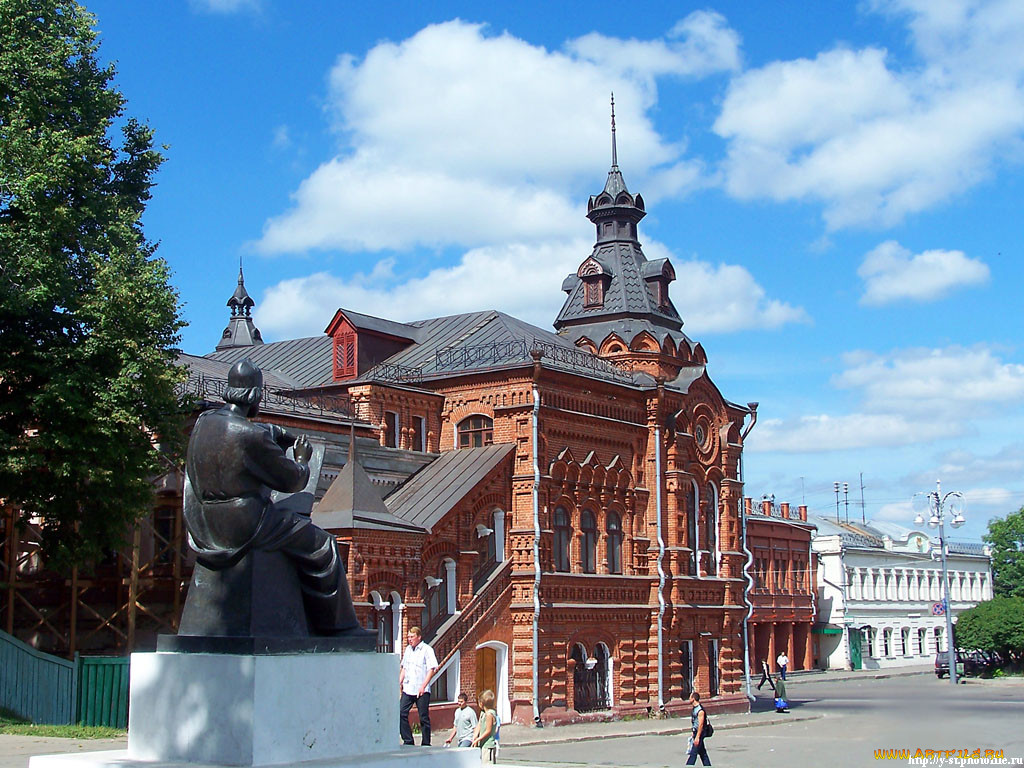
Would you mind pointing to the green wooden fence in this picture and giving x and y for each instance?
(92, 690)
(103, 691)
(36, 685)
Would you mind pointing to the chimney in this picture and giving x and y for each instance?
(766, 508)
(748, 505)
(785, 510)
(802, 509)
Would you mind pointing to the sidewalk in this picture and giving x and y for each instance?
(835, 675)
(513, 735)
(525, 735)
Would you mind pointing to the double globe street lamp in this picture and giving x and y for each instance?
(938, 507)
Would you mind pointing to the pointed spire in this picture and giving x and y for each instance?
(241, 302)
(615, 154)
(241, 332)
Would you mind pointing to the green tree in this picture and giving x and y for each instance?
(88, 320)
(995, 625)
(1006, 537)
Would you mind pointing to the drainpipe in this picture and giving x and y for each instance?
(536, 354)
(659, 479)
(746, 599)
(750, 561)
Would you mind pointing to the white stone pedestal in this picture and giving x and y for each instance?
(261, 709)
(328, 709)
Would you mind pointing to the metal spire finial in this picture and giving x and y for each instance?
(615, 154)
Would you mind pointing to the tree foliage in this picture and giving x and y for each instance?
(89, 320)
(995, 625)
(1006, 537)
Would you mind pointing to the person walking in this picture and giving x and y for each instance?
(487, 729)
(463, 724)
(783, 662)
(418, 665)
(766, 676)
(698, 722)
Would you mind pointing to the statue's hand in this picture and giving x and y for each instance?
(303, 450)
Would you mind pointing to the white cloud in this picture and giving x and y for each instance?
(822, 432)
(520, 279)
(226, 6)
(951, 384)
(906, 397)
(282, 137)
(354, 205)
(700, 44)
(891, 273)
(723, 298)
(873, 141)
(456, 136)
(964, 468)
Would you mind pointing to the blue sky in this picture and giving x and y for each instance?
(838, 187)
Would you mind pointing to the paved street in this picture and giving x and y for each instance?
(857, 718)
(839, 723)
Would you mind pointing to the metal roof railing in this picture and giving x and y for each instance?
(204, 387)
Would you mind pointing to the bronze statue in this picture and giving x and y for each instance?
(233, 466)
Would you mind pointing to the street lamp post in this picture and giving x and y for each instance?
(938, 505)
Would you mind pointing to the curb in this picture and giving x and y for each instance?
(880, 676)
(659, 732)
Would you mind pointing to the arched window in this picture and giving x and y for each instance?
(692, 508)
(589, 554)
(613, 526)
(711, 532)
(382, 619)
(563, 534)
(476, 431)
(905, 640)
(436, 604)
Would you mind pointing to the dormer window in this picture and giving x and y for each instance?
(344, 356)
(593, 292)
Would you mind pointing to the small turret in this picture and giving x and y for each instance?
(241, 330)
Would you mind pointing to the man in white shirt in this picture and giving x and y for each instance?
(418, 665)
(783, 662)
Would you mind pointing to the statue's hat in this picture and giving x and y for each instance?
(245, 375)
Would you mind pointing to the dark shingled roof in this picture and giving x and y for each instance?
(305, 361)
(352, 501)
(380, 325)
(478, 341)
(433, 491)
(218, 369)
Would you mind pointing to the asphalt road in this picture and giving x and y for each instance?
(858, 718)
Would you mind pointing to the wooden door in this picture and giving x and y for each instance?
(486, 671)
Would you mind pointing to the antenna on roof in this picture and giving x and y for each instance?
(615, 154)
(352, 437)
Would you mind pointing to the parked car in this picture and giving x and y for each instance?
(974, 662)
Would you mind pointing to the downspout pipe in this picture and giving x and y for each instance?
(659, 480)
(750, 561)
(536, 354)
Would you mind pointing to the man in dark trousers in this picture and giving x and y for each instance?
(766, 676)
(698, 723)
(418, 666)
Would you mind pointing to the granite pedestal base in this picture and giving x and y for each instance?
(235, 709)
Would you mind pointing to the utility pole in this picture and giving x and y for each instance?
(846, 500)
(835, 486)
(863, 514)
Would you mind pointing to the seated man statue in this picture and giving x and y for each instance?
(233, 465)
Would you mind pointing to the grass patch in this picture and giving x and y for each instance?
(15, 724)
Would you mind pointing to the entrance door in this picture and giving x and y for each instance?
(486, 670)
(855, 660)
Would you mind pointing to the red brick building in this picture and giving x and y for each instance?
(783, 584)
(560, 511)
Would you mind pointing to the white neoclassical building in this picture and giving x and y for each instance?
(880, 593)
